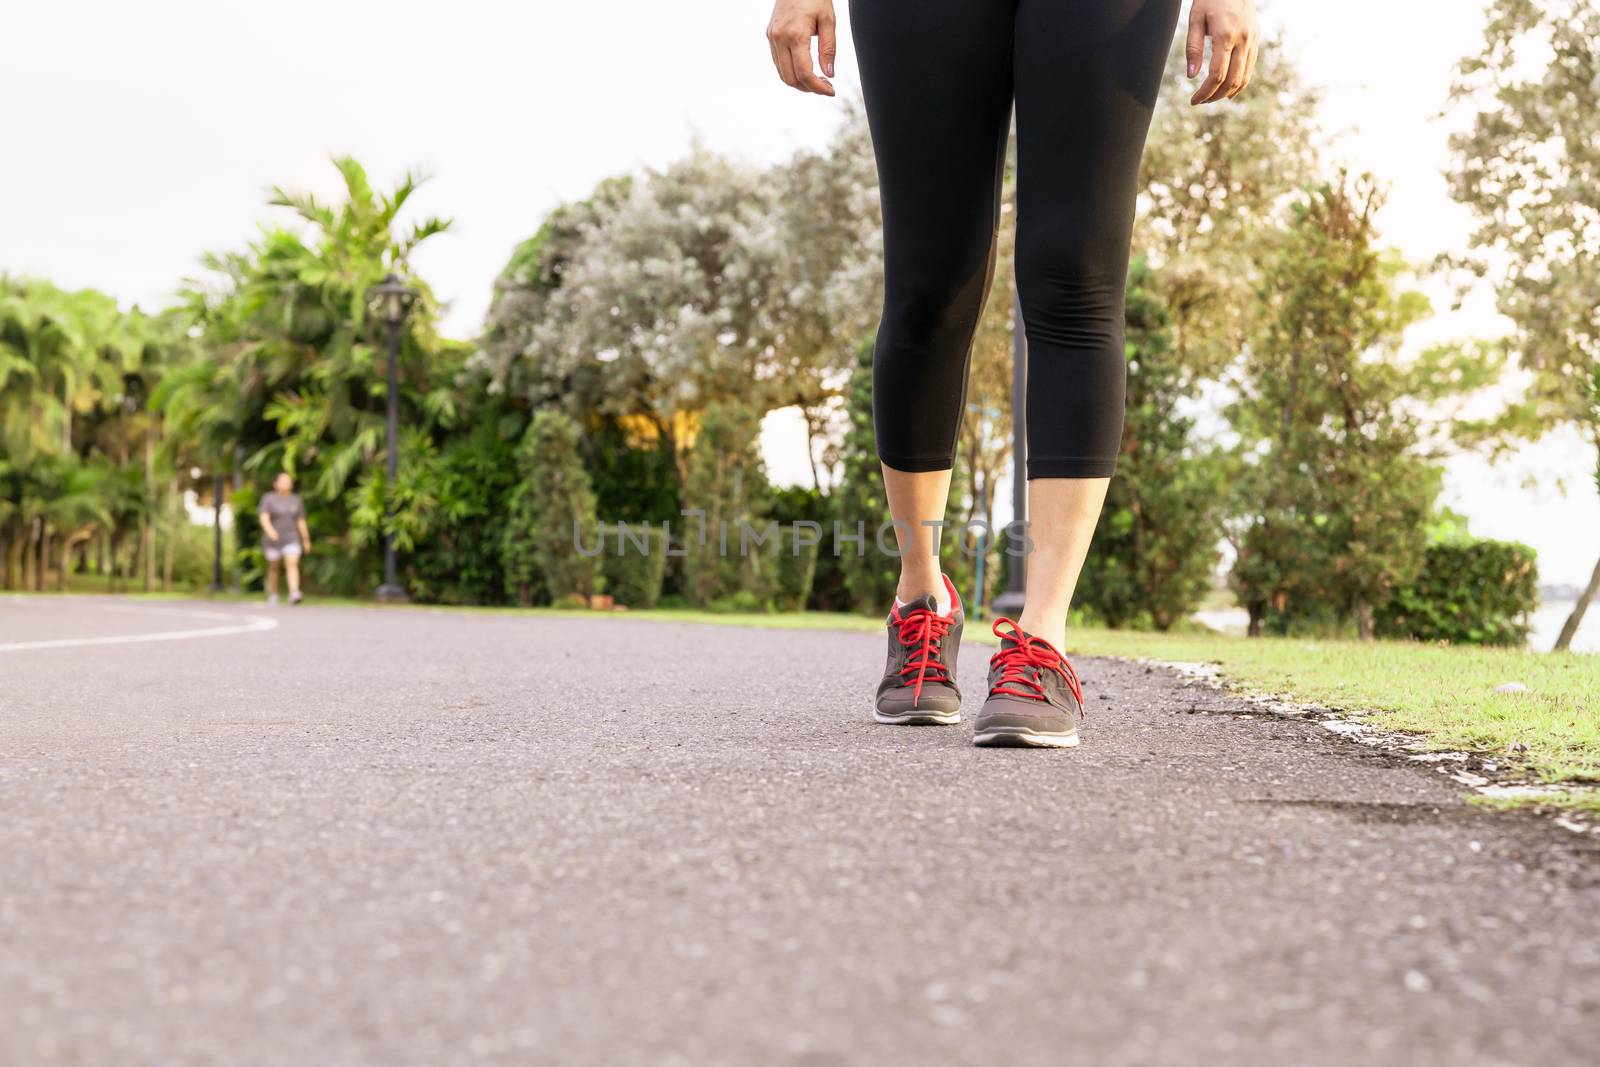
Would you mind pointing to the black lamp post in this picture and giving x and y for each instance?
(216, 533)
(1010, 602)
(394, 301)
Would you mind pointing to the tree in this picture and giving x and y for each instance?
(825, 274)
(298, 355)
(658, 308)
(1156, 541)
(1213, 182)
(551, 516)
(860, 504)
(1335, 490)
(727, 484)
(1528, 167)
(983, 454)
(72, 372)
(704, 282)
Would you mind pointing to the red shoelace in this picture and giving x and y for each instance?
(1029, 651)
(920, 631)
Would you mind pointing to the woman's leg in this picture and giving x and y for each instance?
(936, 77)
(272, 577)
(1087, 75)
(915, 501)
(1062, 513)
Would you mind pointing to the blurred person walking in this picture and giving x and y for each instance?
(283, 521)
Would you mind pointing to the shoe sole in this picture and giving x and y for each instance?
(1022, 737)
(918, 718)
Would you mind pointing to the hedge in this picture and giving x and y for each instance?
(1470, 593)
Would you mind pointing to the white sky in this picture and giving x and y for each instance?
(138, 135)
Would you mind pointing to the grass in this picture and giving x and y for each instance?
(1585, 801)
(1445, 695)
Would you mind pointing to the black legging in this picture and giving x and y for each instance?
(939, 78)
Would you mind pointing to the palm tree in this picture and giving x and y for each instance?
(289, 380)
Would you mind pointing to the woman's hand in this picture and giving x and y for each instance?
(1235, 43)
(794, 23)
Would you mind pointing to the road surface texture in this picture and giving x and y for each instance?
(415, 837)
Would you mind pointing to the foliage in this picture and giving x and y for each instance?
(1156, 541)
(296, 377)
(705, 282)
(726, 486)
(869, 576)
(1468, 592)
(454, 554)
(1528, 167)
(79, 464)
(794, 565)
(634, 575)
(1213, 183)
(635, 475)
(1332, 491)
(550, 516)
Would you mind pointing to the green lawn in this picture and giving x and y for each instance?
(1551, 732)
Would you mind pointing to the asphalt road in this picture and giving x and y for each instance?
(409, 837)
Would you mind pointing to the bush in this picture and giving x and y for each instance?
(632, 576)
(192, 550)
(795, 568)
(742, 602)
(726, 481)
(552, 505)
(867, 576)
(1155, 544)
(1469, 593)
(457, 560)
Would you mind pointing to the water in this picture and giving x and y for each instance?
(1547, 623)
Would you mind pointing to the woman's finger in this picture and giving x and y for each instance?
(780, 56)
(772, 47)
(1221, 51)
(805, 77)
(1238, 71)
(1195, 48)
(827, 43)
(1252, 53)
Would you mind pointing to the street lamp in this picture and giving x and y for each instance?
(216, 534)
(1010, 602)
(394, 301)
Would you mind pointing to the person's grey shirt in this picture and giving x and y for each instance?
(283, 509)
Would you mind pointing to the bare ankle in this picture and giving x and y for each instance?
(1054, 631)
(914, 585)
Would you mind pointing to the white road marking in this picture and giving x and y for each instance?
(241, 624)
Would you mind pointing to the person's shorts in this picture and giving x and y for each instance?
(277, 552)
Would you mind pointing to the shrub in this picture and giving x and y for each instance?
(795, 568)
(552, 505)
(1155, 544)
(742, 602)
(1469, 592)
(458, 558)
(867, 576)
(633, 576)
(192, 549)
(726, 481)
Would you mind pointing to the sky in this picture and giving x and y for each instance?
(137, 136)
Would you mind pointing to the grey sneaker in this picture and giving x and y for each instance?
(1035, 700)
(919, 681)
